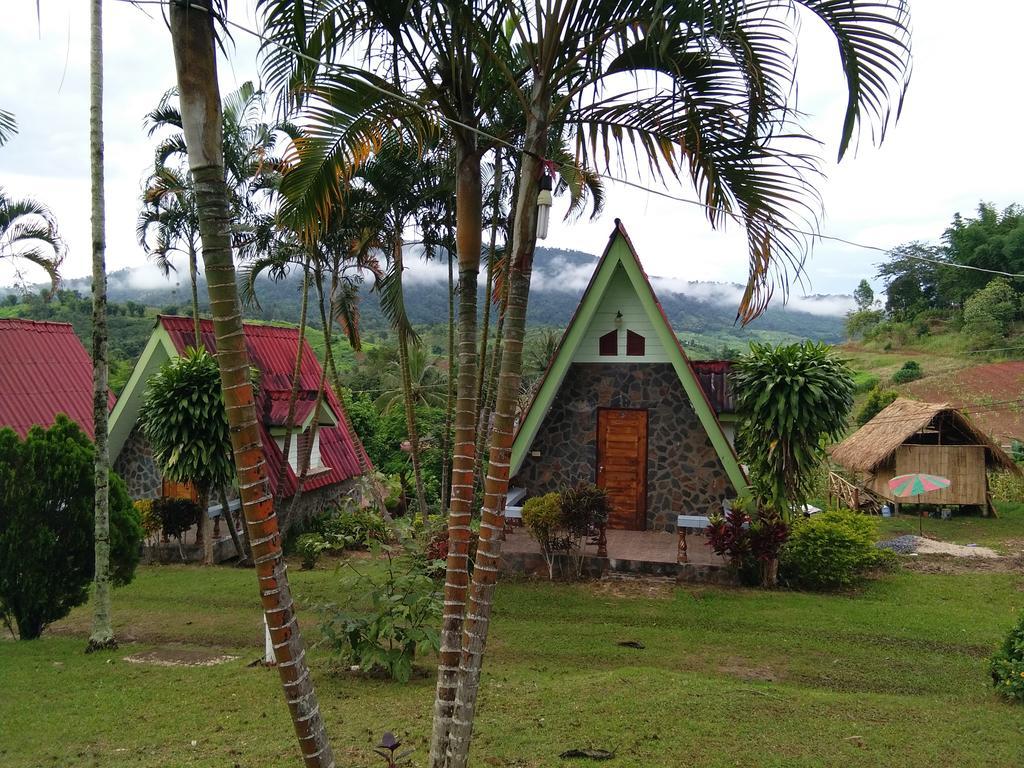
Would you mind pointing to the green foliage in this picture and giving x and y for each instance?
(864, 295)
(1007, 664)
(993, 240)
(309, 547)
(913, 279)
(148, 518)
(176, 515)
(877, 401)
(791, 399)
(988, 314)
(1006, 487)
(910, 371)
(542, 517)
(183, 418)
(354, 528)
(47, 525)
(583, 506)
(750, 538)
(386, 617)
(830, 550)
(864, 382)
(862, 322)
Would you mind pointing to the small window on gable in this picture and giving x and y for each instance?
(635, 344)
(609, 344)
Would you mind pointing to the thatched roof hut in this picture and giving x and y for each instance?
(911, 436)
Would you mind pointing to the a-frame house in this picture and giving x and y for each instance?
(620, 406)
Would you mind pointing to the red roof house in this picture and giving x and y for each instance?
(336, 455)
(44, 370)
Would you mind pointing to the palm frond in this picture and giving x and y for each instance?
(8, 126)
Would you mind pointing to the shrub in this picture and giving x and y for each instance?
(148, 519)
(47, 556)
(911, 371)
(831, 550)
(386, 618)
(864, 382)
(877, 401)
(1007, 664)
(542, 517)
(176, 516)
(309, 547)
(751, 543)
(1006, 487)
(354, 528)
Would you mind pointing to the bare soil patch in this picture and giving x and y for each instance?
(951, 564)
(745, 670)
(180, 657)
(651, 587)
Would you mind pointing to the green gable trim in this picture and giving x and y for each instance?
(620, 252)
(159, 349)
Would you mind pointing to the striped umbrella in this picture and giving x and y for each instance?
(917, 483)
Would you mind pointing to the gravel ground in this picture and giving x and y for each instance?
(906, 545)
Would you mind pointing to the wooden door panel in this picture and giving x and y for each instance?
(622, 465)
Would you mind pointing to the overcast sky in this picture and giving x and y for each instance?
(958, 141)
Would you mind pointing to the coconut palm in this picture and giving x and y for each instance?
(28, 231)
(194, 44)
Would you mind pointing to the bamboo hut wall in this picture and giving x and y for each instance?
(962, 465)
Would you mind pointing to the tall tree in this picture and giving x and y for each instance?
(102, 636)
(863, 295)
(193, 39)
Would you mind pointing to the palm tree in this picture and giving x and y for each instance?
(28, 231)
(429, 384)
(102, 636)
(8, 126)
(193, 39)
(169, 208)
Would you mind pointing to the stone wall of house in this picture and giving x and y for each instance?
(311, 504)
(684, 474)
(136, 467)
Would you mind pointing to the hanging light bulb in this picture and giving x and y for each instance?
(543, 206)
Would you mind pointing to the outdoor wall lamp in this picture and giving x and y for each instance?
(618, 319)
(543, 206)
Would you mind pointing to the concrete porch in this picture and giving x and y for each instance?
(646, 552)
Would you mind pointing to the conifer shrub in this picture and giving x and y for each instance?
(1007, 664)
(47, 549)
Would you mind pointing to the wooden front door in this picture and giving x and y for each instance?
(622, 466)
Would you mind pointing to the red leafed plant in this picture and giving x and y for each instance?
(750, 543)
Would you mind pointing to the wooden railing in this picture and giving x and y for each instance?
(852, 496)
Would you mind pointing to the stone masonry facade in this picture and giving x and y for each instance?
(684, 473)
(136, 467)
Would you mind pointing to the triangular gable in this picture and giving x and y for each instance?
(620, 259)
(159, 349)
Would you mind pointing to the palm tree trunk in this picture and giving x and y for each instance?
(482, 423)
(293, 396)
(102, 631)
(460, 513)
(488, 555)
(407, 393)
(365, 469)
(193, 274)
(192, 36)
(450, 399)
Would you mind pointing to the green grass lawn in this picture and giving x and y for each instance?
(891, 675)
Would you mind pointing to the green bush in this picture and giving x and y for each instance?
(1007, 664)
(386, 617)
(911, 371)
(831, 550)
(309, 547)
(542, 517)
(864, 382)
(354, 528)
(176, 515)
(877, 401)
(47, 553)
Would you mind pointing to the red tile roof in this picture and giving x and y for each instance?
(272, 350)
(44, 370)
